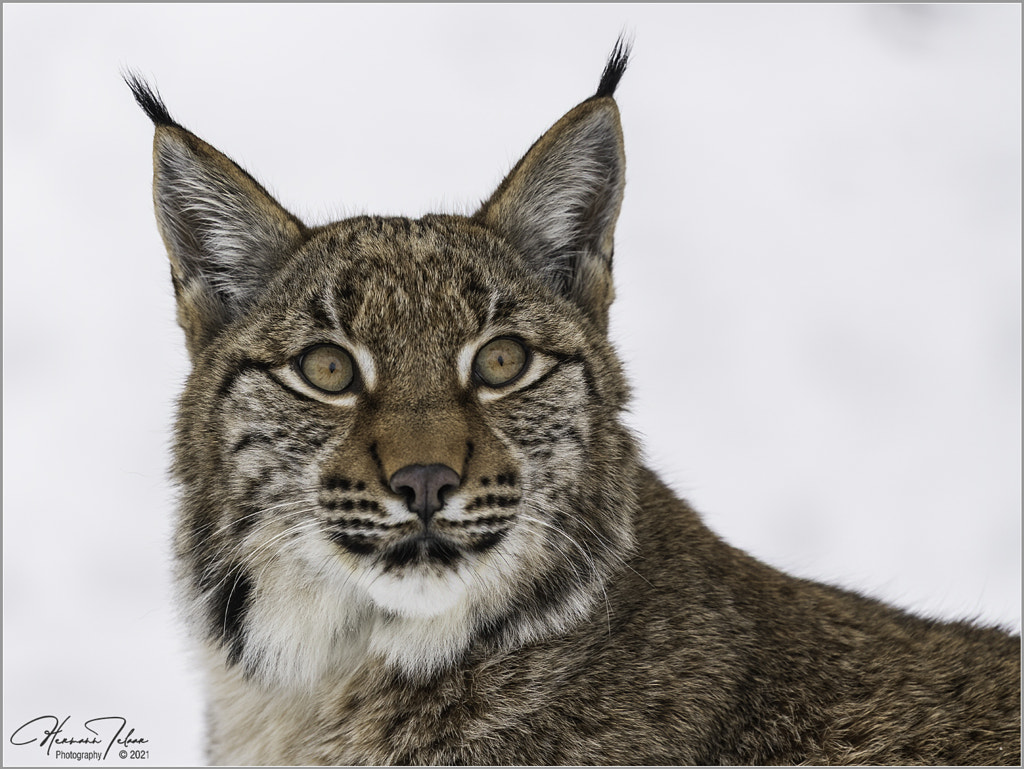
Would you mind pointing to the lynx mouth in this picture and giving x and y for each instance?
(425, 547)
(442, 545)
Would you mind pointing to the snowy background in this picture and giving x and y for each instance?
(818, 266)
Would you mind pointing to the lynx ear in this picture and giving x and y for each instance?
(225, 235)
(559, 205)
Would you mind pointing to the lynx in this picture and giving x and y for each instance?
(414, 530)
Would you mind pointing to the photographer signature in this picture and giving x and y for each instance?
(48, 731)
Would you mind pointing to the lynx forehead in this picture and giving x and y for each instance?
(413, 528)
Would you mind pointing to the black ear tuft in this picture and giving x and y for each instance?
(614, 68)
(149, 99)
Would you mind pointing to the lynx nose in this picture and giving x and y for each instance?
(424, 487)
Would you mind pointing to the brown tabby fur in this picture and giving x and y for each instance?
(562, 606)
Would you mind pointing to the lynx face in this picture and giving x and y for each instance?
(399, 436)
(404, 422)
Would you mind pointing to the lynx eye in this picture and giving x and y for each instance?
(327, 367)
(500, 361)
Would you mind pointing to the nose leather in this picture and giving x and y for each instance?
(424, 487)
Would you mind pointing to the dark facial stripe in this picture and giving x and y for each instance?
(357, 544)
(316, 308)
(492, 500)
(228, 609)
(560, 361)
(504, 308)
(253, 439)
(236, 371)
(484, 542)
(348, 505)
(477, 296)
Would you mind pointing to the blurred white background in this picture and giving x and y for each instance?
(818, 266)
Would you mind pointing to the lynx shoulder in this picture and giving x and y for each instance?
(413, 528)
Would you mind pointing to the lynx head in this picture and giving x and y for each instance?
(399, 437)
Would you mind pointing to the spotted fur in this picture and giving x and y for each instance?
(547, 600)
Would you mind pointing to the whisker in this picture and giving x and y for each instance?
(256, 580)
(612, 550)
(231, 551)
(587, 555)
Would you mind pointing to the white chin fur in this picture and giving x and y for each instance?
(418, 592)
(304, 626)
